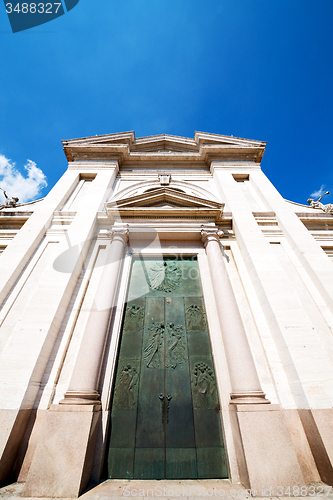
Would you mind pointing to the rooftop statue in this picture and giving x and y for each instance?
(317, 204)
(10, 201)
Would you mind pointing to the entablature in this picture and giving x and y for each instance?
(150, 231)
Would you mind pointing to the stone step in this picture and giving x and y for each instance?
(119, 489)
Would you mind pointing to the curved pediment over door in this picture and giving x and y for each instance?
(151, 185)
(164, 202)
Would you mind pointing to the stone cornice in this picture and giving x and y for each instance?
(166, 148)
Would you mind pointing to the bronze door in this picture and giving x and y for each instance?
(165, 420)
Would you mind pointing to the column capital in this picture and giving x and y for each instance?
(120, 233)
(210, 234)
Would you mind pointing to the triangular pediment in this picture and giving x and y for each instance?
(164, 202)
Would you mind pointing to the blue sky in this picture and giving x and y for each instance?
(259, 69)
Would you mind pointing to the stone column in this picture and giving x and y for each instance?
(243, 374)
(83, 387)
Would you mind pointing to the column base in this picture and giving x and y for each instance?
(13, 424)
(252, 398)
(270, 458)
(318, 424)
(81, 398)
(62, 462)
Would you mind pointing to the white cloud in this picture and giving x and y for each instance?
(15, 184)
(318, 193)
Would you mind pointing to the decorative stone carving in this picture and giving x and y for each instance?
(164, 179)
(195, 318)
(209, 234)
(120, 232)
(176, 346)
(153, 352)
(126, 384)
(165, 276)
(203, 387)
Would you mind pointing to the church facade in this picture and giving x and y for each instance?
(165, 314)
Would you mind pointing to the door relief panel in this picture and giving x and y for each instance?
(165, 419)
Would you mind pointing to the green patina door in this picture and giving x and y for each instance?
(165, 420)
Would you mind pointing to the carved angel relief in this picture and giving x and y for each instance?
(126, 383)
(195, 318)
(175, 353)
(133, 318)
(153, 353)
(176, 346)
(203, 387)
(165, 276)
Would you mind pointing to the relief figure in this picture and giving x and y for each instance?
(153, 352)
(133, 318)
(127, 379)
(195, 318)
(176, 346)
(203, 387)
(165, 276)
